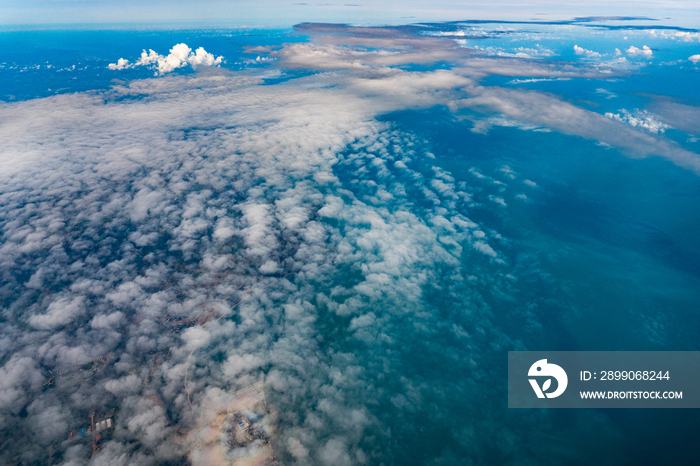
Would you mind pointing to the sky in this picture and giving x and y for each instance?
(278, 13)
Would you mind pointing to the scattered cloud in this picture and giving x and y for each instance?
(208, 248)
(637, 52)
(180, 55)
(516, 52)
(536, 80)
(588, 53)
(685, 36)
(639, 119)
(606, 93)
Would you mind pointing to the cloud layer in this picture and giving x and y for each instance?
(169, 241)
(151, 244)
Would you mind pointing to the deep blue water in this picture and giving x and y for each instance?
(36, 64)
(609, 242)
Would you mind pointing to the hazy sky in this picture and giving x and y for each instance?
(288, 12)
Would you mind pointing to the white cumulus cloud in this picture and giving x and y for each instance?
(639, 119)
(645, 51)
(180, 55)
(587, 53)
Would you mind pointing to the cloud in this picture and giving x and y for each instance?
(121, 64)
(174, 256)
(20, 376)
(549, 111)
(636, 52)
(180, 55)
(59, 313)
(126, 385)
(685, 36)
(535, 80)
(639, 119)
(518, 52)
(361, 49)
(694, 58)
(588, 53)
(678, 115)
(606, 93)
